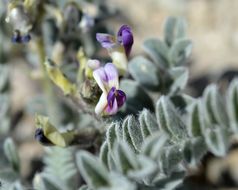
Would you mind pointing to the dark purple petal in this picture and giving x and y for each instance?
(112, 110)
(111, 97)
(106, 40)
(16, 38)
(26, 38)
(125, 37)
(120, 97)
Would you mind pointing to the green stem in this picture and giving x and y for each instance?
(51, 100)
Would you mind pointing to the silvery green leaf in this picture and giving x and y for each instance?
(196, 123)
(4, 105)
(217, 140)
(194, 149)
(111, 136)
(145, 72)
(17, 186)
(180, 78)
(169, 120)
(148, 123)
(146, 167)
(84, 187)
(153, 145)
(132, 133)
(215, 110)
(11, 153)
(170, 157)
(4, 75)
(158, 51)
(92, 170)
(137, 98)
(5, 125)
(104, 153)
(175, 28)
(232, 104)
(125, 158)
(8, 175)
(119, 182)
(180, 52)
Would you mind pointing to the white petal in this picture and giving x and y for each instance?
(120, 60)
(102, 103)
(112, 75)
(100, 77)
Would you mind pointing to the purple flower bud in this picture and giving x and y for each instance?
(125, 37)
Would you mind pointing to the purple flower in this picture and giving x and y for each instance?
(124, 38)
(112, 98)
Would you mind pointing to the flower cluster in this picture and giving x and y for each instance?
(111, 98)
(119, 47)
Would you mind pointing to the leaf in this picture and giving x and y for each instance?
(169, 120)
(125, 157)
(180, 78)
(60, 164)
(137, 98)
(158, 51)
(195, 120)
(175, 28)
(92, 170)
(111, 136)
(4, 104)
(146, 167)
(194, 149)
(132, 133)
(153, 145)
(180, 52)
(232, 104)
(11, 153)
(217, 140)
(104, 151)
(148, 123)
(145, 72)
(170, 157)
(215, 110)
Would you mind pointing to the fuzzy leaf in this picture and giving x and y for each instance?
(180, 79)
(194, 149)
(132, 133)
(111, 136)
(104, 151)
(180, 51)
(125, 157)
(4, 75)
(148, 123)
(215, 110)
(4, 105)
(196, 122)
(169, 120)
(145, 72)
(92, 170)
(217, 140)
(157, 50)
(153, 145)
(232, 104)
(11, 153)
(146, 168)
(174, 28)
(170, 158)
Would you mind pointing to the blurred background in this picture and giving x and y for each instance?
(212, 26)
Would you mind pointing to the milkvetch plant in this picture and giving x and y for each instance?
(121, 122)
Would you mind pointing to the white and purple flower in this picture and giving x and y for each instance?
(119, 47)
(112, 98)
